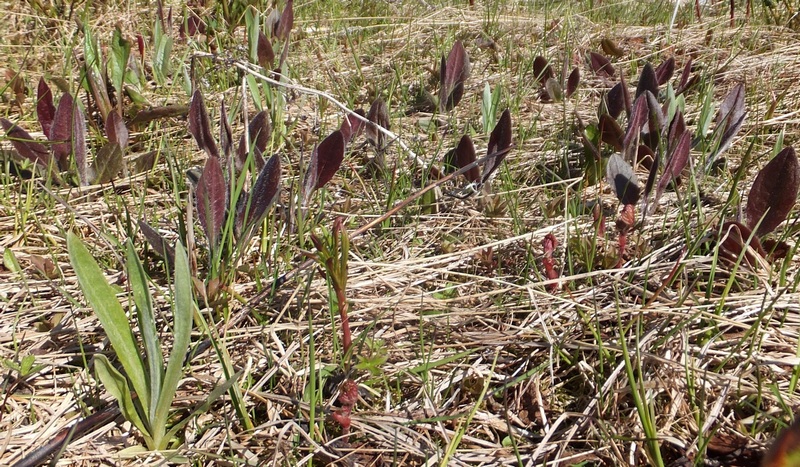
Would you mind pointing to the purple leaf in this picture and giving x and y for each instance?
(499, 144)
(157, 242)
(225, 133)
(541, 69)
(647, 81)
(455, 71)
(200, 125)
(352, 126)
(615, 100)
(116, 130)
(676, 163)
(665, 70)
(600, 64)
(572, 82)
(61, 131)
(464, 156)
(211, 197)
(676, 129)
(25, 145)
(326, 158)
(45, 110)
(610, 132)
(78, 145)
(264, 51)
(636, 121)
(730, 118)
(656, 120)
(774, 192)
(734, 238)
(284, 27)
(107, 162)
(620, 175)
(378, 116)
(259, 131)
(265, 191)
(683, 84)
(653, 169)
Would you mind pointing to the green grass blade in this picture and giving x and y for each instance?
(183, 309)
(206, 404)
(116, 384)
(103, 300)
(147, 326)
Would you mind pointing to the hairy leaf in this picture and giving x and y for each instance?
(665, 70)
(200, 125)
(735, 243)
(573, 81)
(610, 132)
(25, 145)
(647, 81)
(78, 146)
(621, 176)
(553, 89)
(45, 110)
(116, 130)
(465, 155)
(676, 163)
(259, 132)
(325, 161)
(108, 162)
(683, 84)
(676, 128)
(499, 144)
(378, 116)
(774, 192)
(265, 191)
(656, 119)
(212, 200)
(455, 71)
(636, 121)
(266, 54)
(352, 126)
(615, 100)
(157, 242)
(541, 69)
(284, 26)
(730, 118)
(600, 64)
(61, 131)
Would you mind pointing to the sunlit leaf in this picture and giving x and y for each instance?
(225, 133)
(324, 162)
(735, 244)
(25, 145)
(665, 70)
(212, 200)
(621, 176)
(352, 126)
(774, 192)
(45, 110)
(638, 118)
(116, 130)
(683, 84)
(600, 64)
(286, 22)
(676, 163)
(499, 144)
(107, 162)
(61, 131)
(454, 72)
(259, 131)
(78, 145)
(610, 48)
(265, 191)
(200, 125)
(266, 54)
(378, 116)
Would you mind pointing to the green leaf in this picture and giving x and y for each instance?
(10, 260)
(163, 49)
(252, 20)
(118, 61)
(103, 300)
(147, 326)
(183, 309)
(116, 384)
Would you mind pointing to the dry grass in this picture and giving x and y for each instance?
(456, 297)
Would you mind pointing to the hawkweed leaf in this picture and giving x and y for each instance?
(102, 298)
(676, 129)
(464, 156)
(541, 69)
(621, 176)
(25, 145)
(610, 48)
(665, 70)
(259, 131)
(730, 119)
(117, 385)
(61, 131)
(738, 241)
(499, 144)
(379, 117)
(573, 81)
(78, 145)
(683, 84)
(108, 162)
(329, 156)
(352, 126)
(647, 81)
(553, 89)
(183, 311)
(157, 242)
(656, 119)
(610, 132)
(615, 100)
(225, 133)
(284, 27)
(774, 192)
(200, 125)
(600, 64)
(45, 110)
(678, 160)
(454, 72)
(211, 196)
(116, 130)
(638, 118)
(118, 60)
(264, 51)
(265, 191)
(651, 175)
(147, 324)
